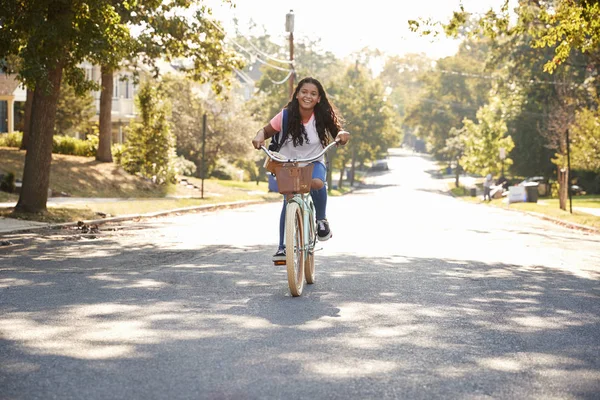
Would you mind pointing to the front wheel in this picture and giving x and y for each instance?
(294, 243)
(309, 262)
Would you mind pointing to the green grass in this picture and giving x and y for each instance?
(555, 212)
(546, 206)
(85, 177)
(8, 197)
(588, 201)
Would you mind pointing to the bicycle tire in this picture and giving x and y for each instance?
(309, 262)
(294, 243)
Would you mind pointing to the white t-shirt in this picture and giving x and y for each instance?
(306, 150)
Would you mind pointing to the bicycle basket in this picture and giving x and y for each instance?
(292, 178)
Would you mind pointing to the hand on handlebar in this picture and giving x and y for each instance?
(342, 137)
(259, 139)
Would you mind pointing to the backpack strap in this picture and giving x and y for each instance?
(280, 137)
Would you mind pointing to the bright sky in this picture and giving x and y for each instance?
(348, 26)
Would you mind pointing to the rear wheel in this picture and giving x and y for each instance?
(294, 242)
(309, 262)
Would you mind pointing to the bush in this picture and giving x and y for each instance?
(225, 171)
(75, 147)
(222, 174)
(150, 146)
(13, 139)
(117, 153)
(7, 184)
(185, 167)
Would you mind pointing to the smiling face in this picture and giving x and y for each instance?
(308, 96)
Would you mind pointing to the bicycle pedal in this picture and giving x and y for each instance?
(279, 262)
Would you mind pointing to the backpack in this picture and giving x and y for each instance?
(280, 137)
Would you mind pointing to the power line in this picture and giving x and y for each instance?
(251, 53)
(262, 52)
(282, 81)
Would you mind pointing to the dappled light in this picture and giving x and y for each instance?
(156, 301)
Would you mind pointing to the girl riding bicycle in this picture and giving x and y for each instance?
(312, 123)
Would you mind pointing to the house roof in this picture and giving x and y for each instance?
(8, 84)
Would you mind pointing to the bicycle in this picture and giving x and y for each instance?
(294, 181)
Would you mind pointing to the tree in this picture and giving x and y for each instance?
(453, 91)
(567, 26)
(229, 123)
(368, 117)
(585, 141)
(74, 111)
(150, 147)
(484, 139)
(164, 31)
(272, 88)
(400, 78)
(455, 149)
(50, 37)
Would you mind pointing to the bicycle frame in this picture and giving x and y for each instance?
(305, 202)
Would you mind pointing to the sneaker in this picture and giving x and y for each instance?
(323, 231)
(279, 256)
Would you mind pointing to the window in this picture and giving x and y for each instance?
(3, 116)
(116, 81)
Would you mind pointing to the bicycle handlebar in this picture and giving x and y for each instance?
(294, 160)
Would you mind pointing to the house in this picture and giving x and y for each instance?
(123, 102)
(13, 96)
(12, 103)
(248, 79)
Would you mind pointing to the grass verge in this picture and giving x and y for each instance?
(548, 207)
(53, 215)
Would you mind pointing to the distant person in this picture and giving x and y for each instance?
(312, 122)
(487, 187)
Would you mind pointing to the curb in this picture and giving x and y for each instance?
(561, 222)
(207, 207)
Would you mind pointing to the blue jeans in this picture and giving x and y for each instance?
(319, 198)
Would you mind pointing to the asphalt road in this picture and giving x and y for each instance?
(418, 296)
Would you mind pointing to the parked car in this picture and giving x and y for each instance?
(577, 190)
(379, 165)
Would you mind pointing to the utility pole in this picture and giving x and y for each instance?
(289, 27)
(569, 174)
(203, 153)
(502, 157)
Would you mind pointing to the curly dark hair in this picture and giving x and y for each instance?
(327, 118)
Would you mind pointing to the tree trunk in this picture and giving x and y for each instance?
(563, 187)
(104, 153)
(456, 177)
(36, 173)
(352, 168)
(341, 180)
(27, 119)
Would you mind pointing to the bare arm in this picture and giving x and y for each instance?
(263, 134)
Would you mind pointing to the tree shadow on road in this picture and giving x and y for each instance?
(219, 322)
